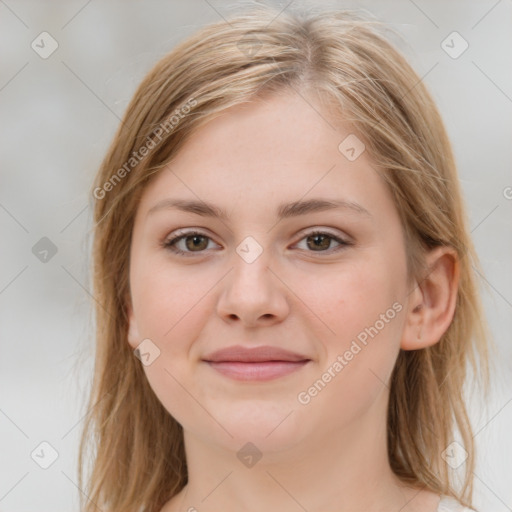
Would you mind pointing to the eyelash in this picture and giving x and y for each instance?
(170, 244)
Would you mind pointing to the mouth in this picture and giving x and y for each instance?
(257, 370)
(261, 363)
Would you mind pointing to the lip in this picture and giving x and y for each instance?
(266, 353)
(255, 364)
(259, 371)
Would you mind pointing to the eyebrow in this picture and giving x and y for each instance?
(284, 211)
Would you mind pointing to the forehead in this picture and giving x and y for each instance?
(268, 151)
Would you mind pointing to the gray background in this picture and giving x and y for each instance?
(58, 117)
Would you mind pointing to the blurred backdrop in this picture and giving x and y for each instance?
(68, 72)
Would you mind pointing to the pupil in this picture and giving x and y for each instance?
(321, 238)
(196, 240)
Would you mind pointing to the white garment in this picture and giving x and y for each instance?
(449, 504)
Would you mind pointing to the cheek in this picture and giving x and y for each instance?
(171, 307)
(168, 300)
(353, 297)
(361, 307)
(356, 368)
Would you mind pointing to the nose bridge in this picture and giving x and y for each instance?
(251, 290)
(251, 261)
(250, 250)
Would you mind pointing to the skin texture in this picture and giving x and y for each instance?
(328, 454)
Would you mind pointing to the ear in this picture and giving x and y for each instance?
(133, 329)
(432, 301)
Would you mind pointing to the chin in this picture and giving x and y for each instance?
(270, 428)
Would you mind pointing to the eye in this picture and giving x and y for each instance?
(317, 241)
(194, 241)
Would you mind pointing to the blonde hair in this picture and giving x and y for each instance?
(138, 460)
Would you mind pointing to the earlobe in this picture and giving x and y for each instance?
(432, 301)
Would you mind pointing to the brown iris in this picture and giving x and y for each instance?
(196, 243)
(325, 240)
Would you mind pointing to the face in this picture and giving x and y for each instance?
(328, 284)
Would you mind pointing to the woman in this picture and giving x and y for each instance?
(283, 270)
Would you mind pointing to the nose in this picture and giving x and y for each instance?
(253, 293)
